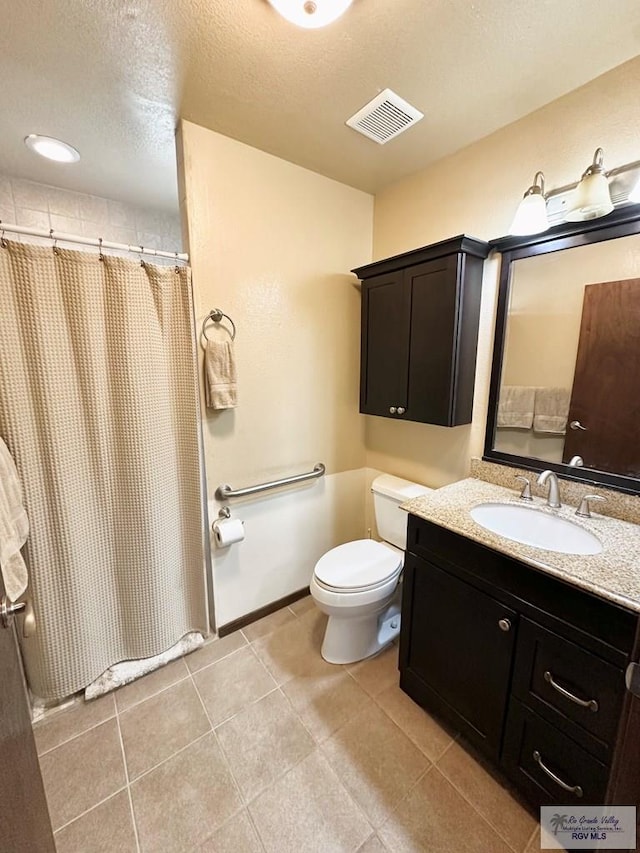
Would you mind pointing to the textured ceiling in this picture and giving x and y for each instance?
(113, 76)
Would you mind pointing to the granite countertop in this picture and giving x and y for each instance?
(613, 574)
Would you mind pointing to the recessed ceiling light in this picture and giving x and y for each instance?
(51, 148)
(311, 14)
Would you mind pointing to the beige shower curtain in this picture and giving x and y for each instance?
(99, 407)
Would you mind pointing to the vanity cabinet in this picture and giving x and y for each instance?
(527, 667)
(419, 336)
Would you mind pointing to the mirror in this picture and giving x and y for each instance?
(565, 386)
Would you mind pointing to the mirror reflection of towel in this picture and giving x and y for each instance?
(551, 410)
(515, 408)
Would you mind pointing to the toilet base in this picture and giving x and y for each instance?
(356, 638)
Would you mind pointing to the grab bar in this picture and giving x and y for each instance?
(225, 491)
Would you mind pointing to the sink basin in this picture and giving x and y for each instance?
(535, 527)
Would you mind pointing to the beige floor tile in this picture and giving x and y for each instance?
(376, 761)
(215, 651)
(378, 673)
(293, 649)
(325, 699)
(150, 684)
(81, 772)
(415, 722)
(488, 795)
(237, 835)
(231, 684)
(105, 829)
(262, 742)
(302, 605)
(435, 818)
(309, 811)
(182, 802)
(268, 624)
(156, 728)
(373, 845)
(72, 721)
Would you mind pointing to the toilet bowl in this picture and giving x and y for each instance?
(358, 584)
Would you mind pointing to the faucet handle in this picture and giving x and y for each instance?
(525, 494)
(583, 510)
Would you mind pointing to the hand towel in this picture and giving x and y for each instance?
(515, 408)
(14, 527)
(551, 410)
(220, 381)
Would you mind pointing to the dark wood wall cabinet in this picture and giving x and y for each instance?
(528, 668)
(420, 313)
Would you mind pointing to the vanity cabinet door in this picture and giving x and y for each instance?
(456, 651)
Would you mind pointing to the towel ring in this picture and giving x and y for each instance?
(216, 316)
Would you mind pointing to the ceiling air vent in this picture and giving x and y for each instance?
(386, 116)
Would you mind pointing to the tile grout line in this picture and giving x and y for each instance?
(227, 765)
(90, 809)
(76, 735)
(126, 774)
(478, 812)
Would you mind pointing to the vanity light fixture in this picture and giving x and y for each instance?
(311, 14)
(531, 215)
(51, 148)
(591, 198)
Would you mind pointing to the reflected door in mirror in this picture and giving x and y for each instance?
(605, 399)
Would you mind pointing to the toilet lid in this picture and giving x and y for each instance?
(362, 563)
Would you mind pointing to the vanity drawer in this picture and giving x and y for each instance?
(546, 765)
(576, 690)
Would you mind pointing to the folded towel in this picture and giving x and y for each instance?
(551, 410)
(515, 408)
(220, 381)
(14, 527)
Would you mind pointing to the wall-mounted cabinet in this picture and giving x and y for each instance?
(420, 313)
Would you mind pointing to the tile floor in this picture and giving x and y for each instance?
(253, 743)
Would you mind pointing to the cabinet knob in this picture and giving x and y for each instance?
(504, 624)
(401, 410)
(392, 410)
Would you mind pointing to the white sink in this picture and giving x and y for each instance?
(536, 527)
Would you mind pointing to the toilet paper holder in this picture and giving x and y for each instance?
(224, 512)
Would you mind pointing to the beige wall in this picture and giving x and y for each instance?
(476, 191)
(271, 245)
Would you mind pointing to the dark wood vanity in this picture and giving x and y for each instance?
(528, 668)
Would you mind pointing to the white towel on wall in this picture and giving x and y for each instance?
(515, 407)
(551, 410)
(14, 527)
(220, 380)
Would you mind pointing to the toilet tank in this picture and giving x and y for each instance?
(388, 493)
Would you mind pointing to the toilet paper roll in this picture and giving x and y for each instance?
(227, 531)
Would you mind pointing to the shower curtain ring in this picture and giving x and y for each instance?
(55, 242)
(177, 266)
(100, 255)
(142, 263)
(3, 242)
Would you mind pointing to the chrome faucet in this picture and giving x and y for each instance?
(554, 490)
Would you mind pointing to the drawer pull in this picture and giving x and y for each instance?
(591, 704)
(574, 789)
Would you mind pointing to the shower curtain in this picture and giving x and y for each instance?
(99, 407)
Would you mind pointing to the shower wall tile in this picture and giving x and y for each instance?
(40, 206)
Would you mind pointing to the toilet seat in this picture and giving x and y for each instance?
(358, 566)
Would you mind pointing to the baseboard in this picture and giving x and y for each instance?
(243, 621)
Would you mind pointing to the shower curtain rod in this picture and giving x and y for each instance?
(98, 243)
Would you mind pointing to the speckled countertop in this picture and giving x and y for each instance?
(613, 574)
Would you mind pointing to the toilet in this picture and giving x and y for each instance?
(358, 584)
